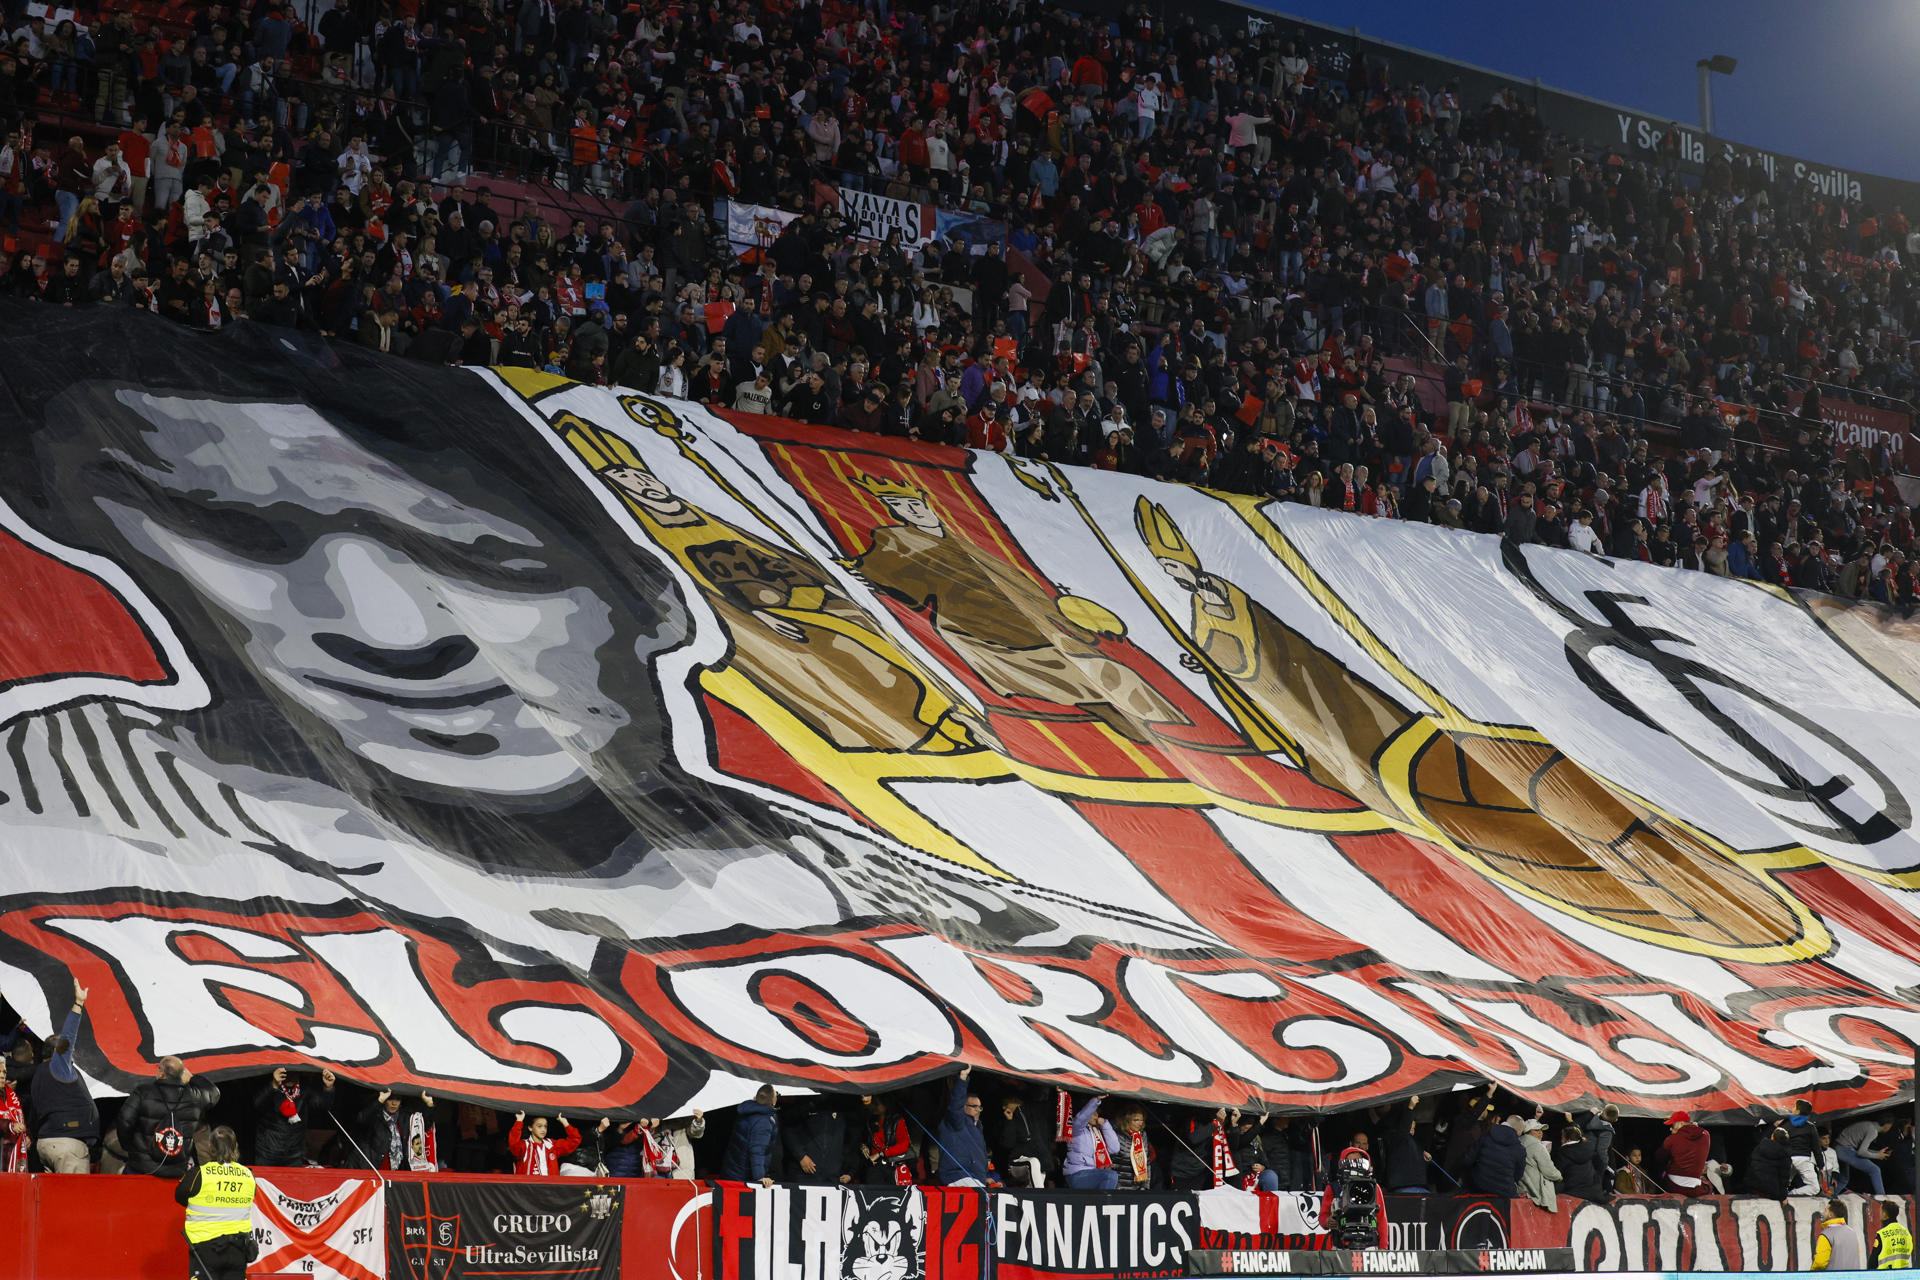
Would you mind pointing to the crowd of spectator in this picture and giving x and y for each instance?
(1212, 251)
(959, 1131)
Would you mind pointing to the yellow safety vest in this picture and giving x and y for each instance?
(224, 1204)
(1896, 1247)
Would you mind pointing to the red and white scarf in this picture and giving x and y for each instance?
(1102, 1158)
(1062, 1116)
(657, 1159)
(1656, 503)
(1137, 1156)
(1223, 1165)
(14, 1145)
(423, 1144)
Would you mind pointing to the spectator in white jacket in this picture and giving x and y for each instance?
(1582, 537)
(199, 204)
(112, 180)
(356, 166)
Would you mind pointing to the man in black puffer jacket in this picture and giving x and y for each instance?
(159, 1117)
(281, 1116)
(1579, 1176)
(821, 1137)
(1770, 1168)
(1494, 1164)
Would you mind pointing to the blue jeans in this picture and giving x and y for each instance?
(1269, 1180)
(1094, 1179)
(1851, 1159)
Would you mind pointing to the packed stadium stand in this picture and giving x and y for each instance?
(1297, 247)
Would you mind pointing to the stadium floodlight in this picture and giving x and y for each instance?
(1707, 67)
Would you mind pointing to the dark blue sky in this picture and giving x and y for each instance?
(1837, 82)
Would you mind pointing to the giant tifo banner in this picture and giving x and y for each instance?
(508, 739)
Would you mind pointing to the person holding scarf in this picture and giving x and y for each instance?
(1135, 1157)
(647, 1149)
(389, 1129)
(659, 1157)
(1204, 1157)
(1089, 1162)
(15, 1142)
(283, 1112)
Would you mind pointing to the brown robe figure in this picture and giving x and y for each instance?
(796, 635)
(1523, 808)
(1016, 636)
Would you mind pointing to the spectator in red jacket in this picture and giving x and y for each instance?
(535, 1155)
(1683, 1157)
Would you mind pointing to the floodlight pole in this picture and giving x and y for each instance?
(1707, 68)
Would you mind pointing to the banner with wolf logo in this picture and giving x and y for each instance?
(489, 735)
(451, 1230)
(821, 1233)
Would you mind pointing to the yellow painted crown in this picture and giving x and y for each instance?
(882, 487)
(1162, 535)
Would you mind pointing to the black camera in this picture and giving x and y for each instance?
(1353, 1217)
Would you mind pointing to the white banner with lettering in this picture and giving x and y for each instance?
(335, 1234)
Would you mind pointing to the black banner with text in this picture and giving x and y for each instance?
(564, 1230)
(1047, 1235)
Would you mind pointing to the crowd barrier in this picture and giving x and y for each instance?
(340, 1225)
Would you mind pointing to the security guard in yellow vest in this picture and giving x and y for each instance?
(219, 1200)
(1893, 1243)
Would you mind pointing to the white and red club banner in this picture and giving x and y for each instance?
(329, 1232)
